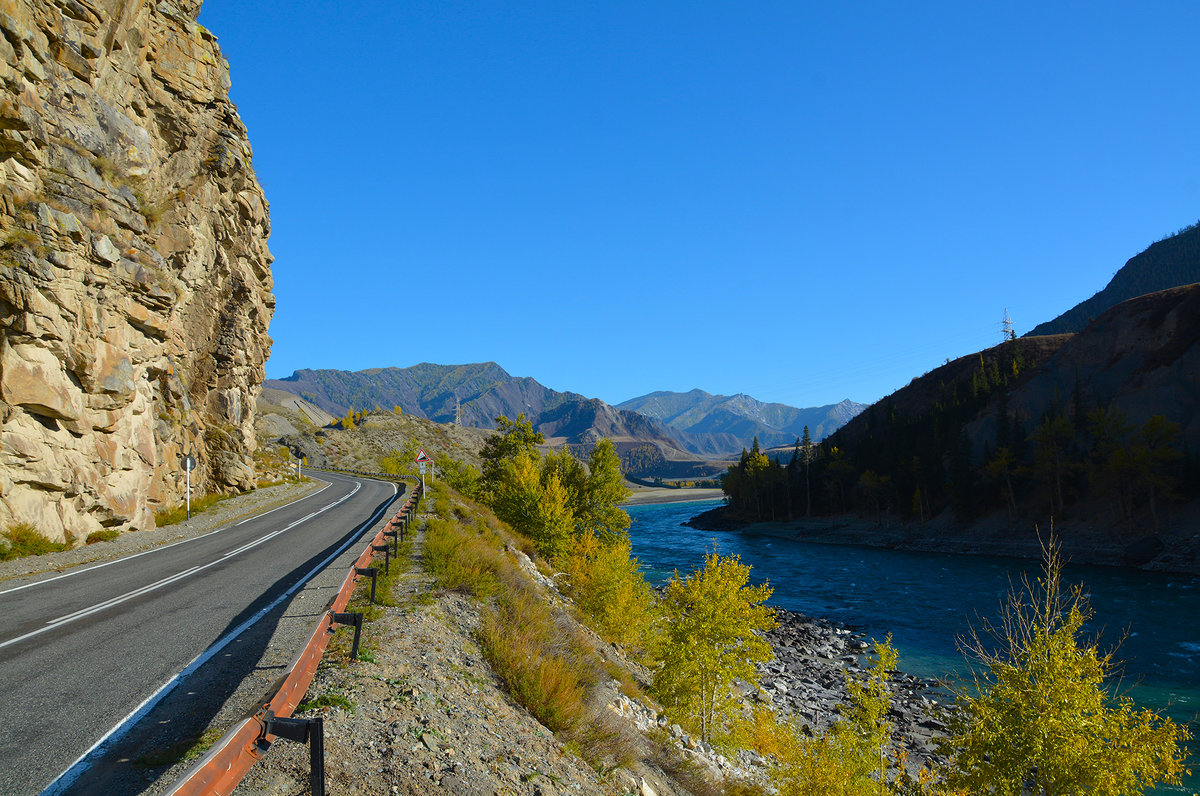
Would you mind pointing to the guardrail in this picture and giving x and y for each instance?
(224, 766)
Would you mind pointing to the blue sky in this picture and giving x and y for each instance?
(803, 202)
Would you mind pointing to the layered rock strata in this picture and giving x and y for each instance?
(135, 288)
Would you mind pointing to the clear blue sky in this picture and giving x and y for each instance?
(804, 202)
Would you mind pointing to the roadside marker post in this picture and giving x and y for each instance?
(189, 464)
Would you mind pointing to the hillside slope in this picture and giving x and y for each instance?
(1170, 262)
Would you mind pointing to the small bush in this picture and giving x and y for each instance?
(326, 701)
(102, 536)
(19, 237)
(179, 513)
(25, 540)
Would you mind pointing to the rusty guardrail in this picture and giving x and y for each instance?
(230, 759)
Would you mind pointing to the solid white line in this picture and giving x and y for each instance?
(74, 572)
(138, 592)
(73, 772)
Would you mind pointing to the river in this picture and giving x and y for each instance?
(927, 601)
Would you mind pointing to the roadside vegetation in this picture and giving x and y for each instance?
(22, 539)
(1040, 718)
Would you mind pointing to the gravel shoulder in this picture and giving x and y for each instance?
(226, 512)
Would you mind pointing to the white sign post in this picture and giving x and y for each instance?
(422, 460)
(189, 464)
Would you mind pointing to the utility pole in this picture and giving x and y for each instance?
(1007, 326)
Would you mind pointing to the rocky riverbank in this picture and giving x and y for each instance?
(807, 679)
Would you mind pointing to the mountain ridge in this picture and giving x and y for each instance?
(736, 419)
(475, 394)
(1171, 262)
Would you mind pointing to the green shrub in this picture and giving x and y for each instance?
(102, 536)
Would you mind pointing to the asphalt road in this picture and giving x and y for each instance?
(82, 652)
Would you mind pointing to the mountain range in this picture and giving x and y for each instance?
(721, 425)
(683, 428)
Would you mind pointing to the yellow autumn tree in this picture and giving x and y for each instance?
(1040, 718)
(608, 588)
(709, 639)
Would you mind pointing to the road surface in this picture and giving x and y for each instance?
(81, 652)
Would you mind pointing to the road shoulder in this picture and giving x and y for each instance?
(223, 514)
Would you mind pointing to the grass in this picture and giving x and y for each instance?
(22, 539)
(19, 237)
(102, 536)
(179, 513)
(540, 654)
(184, 751)
(325, 701)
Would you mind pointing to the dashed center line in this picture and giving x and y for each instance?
(138, 592)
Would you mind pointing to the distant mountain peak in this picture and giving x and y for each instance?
(722, 425)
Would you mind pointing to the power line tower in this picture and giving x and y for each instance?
(458, 410)
(1006, 326)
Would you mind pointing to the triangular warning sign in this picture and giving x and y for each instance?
(422, 456)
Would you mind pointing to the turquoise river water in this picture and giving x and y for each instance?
(927, 601)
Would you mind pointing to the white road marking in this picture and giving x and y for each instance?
(68, 777)
(138, 592)
(74, 572)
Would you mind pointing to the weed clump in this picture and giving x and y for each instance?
(179, 513)
(22, 539)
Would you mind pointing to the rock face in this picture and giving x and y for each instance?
(135, 288)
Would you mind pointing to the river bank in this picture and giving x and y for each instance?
(807, 680)
(649, 495)
(1173, 549)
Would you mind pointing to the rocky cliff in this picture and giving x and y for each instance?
(135, 288)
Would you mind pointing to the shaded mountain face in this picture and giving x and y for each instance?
(1140, 358)
(723, 425)
(1172, 262)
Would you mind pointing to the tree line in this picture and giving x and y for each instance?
(916, 465)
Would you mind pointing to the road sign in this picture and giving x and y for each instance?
(422, 458)
(189, 463)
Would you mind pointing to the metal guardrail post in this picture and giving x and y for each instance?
(309, 731)
(383, 548)
(395, 536)
(374, 573)
(350, 619)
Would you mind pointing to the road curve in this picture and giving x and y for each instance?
(80, 653)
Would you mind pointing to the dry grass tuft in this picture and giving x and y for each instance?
(22, 539)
